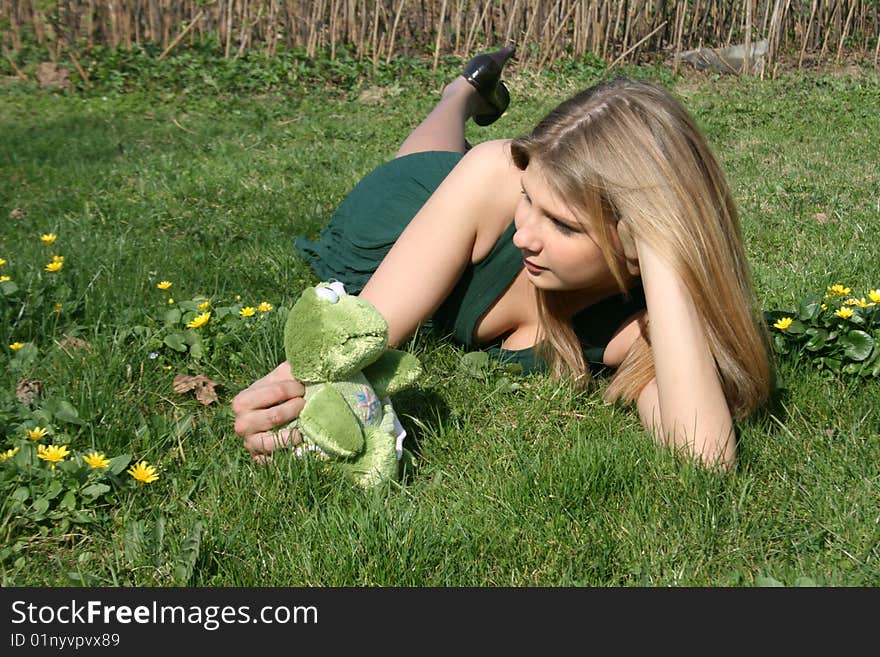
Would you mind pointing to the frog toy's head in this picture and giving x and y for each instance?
(330, 334)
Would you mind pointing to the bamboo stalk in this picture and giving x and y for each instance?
(747, 55)
(18, 71)
(182, 34)
(79, 68)
(877, 51)
(640, 42)
(843, 34)
(439, 36)
(556, 34)
(394, 30)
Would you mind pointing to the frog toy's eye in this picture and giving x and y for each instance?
(331, 291)
(326, 293)
(338, 287)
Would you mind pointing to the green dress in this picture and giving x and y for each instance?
(370, 219)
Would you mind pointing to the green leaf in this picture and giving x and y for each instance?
(21, 494)
(54, 490)
(66, 412)
(766, 580)
(475, 363)
(171, 317)
(780, 344)
(857, 345)
(810, 307)
(817, 340)
(175, 341)
(119, 463)
(8, 288)
(797, 327)
(189, 306)
(95, 490)
(851, 368)
(41, 505)
(189, 553)
(134, 542)
(833, 364)
(69, 501)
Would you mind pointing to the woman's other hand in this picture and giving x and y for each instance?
(266, 404)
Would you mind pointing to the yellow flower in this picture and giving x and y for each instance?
(52, 453)
(170, 301)
(48, 238)
(844, 313)
(851, 302)
(839, 290)
(164, 285)
(199, 321)
(15, 346)
(824, 306)
(57, 308)
(3, 279)
(874, 295)
(143, 472)
(783, 323)
(54, 266)
(57, 258)
(36, 433)
(96, 460)
(264, 307)
(247, 311)
(204, 305)
(8, 454)
(2, 262)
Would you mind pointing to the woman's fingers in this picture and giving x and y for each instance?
(261, 419)
(270, 402)
(261, 445)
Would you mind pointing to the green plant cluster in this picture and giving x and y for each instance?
(49, 496)
(196, 332)
(837, 331)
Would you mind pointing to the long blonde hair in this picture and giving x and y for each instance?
(627, 149)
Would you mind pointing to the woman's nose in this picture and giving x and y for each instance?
(525, 237)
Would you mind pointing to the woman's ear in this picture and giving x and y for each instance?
(628, 243)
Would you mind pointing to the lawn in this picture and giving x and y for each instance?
(520, 481)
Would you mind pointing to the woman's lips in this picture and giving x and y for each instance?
(532, 268)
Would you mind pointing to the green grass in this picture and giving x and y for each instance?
(516, 485)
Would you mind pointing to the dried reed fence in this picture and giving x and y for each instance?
(545, 30)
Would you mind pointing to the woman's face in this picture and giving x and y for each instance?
(559, 252)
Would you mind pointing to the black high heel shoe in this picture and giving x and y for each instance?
(484, 74)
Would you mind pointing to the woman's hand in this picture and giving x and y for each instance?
(267, 403)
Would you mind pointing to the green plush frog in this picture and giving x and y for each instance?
(336, 344)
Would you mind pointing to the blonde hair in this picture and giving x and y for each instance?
(627, 149)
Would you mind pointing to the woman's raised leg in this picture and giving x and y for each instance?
(474, 93)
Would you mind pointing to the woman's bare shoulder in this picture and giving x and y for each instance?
(495, 180)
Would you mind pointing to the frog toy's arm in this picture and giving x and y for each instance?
(394, 371)
(327, 421)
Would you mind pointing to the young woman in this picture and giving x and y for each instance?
(607, 236)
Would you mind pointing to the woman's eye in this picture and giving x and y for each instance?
(563, 228)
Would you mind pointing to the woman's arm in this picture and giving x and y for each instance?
(457, 226)
(685, 404)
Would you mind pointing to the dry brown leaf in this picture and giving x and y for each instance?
(52, 75)
(27, 389)
(821, 217)
(73, 343)
(203, 386)
(17, 213)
